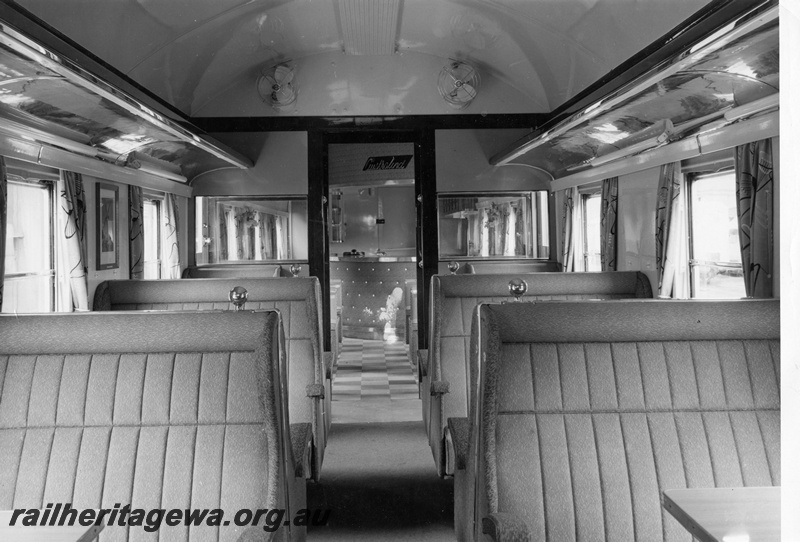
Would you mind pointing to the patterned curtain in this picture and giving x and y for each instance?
(3, 220)
(240, 217)
(754, 202)
(136, 231)
(230, 238)
(667, 242)
(511, 231)
(267, 222)
(484, 240)
(223, 236)
(570, 196)
(519, 245)
(73, 289)
(170, 248)
(281, 237)
(608, 224)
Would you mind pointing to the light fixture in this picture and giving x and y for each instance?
(734, 30)
(751, 108)
(664, 130)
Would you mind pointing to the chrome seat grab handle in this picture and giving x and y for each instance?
(238, 296)
(517, 288)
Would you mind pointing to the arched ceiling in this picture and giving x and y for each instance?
(533, 55)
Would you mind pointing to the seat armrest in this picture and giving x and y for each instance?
(456, 436)
(327, 359)
(440, 387)
(505, 527)
(422, 363)
(315, 390)
(301, 435)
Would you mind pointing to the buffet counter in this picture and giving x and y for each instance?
(373, 304)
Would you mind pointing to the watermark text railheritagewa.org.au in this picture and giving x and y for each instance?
(60, 514)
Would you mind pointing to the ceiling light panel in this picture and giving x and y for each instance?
(369, 27)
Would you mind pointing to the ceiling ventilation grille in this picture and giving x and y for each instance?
(369, 27)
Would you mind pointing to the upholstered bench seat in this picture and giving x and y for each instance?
(155, 410)
(298, 300)
(584, 413)
(443, 368)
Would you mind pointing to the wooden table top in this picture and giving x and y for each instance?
(739, 514)
(19, 533)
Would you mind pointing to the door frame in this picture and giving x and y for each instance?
(424, 192)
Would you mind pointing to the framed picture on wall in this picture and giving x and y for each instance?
(107, 226)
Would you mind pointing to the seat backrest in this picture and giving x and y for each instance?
(159, 410)
(230, 271)
(478, 267)
(587, 412)
(454, 298)
(299, 300)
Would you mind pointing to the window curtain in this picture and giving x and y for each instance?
(136, 232)
(170, 248)
(484, 240)
(608, 224)
(570, 196)
(667, 228)
(230, 226)
(223, 236)
(511, 232)
(267, 225)
(3, 221)
(754, 202)
(72, 288)
(281, 236)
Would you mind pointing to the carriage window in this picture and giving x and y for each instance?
(152, 238)
(591, 232)
(234, 230)
(499, 225)
(29, 264)
(715, 258)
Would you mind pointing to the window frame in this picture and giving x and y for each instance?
(295, 253)
(50, 187)
(584, 196)
(535, 232)
(157, 199)
(691, 262)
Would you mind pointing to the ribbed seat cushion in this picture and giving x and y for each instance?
(173, 429)
(608, 427)
(583, 435)
(454, 299)
(297, 299)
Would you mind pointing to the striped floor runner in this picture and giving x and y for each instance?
(370, 370)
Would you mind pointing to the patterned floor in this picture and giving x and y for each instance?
(373, 371)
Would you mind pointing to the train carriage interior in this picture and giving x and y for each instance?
(398, 270)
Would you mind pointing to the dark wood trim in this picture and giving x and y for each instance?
(697, 27)
(364, 123)
(427, 226)
(318, 260)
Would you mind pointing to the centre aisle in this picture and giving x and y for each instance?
(379, 479)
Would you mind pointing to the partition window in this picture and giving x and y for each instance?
(251, 229)
(152, 237)
(715, 259)
(494, 226)
(29, 284)
(590, 209)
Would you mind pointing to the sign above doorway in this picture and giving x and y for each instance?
(374, 163)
